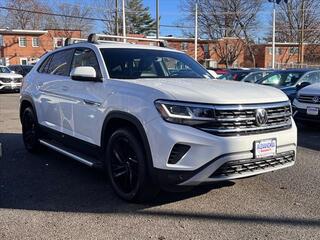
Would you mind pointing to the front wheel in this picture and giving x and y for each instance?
(127, 168)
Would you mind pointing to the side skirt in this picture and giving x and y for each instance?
(81, 151)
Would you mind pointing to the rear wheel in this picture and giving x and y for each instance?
(127, 168)
(30, 131)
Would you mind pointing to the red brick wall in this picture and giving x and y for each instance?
(14, 52)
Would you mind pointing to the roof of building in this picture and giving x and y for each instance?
(22, 31)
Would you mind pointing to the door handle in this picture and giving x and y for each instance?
(92, 103)
(65, 88)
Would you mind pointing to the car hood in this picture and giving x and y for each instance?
(313, 89)
(214, 91)
(10, 75)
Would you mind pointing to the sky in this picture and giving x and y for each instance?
(171, 14)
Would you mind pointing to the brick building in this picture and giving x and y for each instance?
(286, 54)
(27, 46)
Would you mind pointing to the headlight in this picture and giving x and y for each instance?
(184, 113)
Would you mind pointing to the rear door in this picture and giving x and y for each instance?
(52, 94)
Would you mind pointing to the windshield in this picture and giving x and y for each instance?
(255, 76)
(282, 79)
(4, 70)
(144, 63)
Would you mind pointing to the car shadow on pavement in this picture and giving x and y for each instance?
(49, 181)
(308, 136)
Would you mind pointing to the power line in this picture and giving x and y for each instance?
(54, 14)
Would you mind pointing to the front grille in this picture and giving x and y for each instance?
(251, 165)
(242, 120)
(17, 80)
(309, 99)
(9, 80)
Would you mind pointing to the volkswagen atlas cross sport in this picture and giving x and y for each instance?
(153, 118)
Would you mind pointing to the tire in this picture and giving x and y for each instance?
(30, 132)
(127, 168)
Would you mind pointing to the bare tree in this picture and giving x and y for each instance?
(108, 11)
(290, 21)
(226, 18)
(26, 20)
(299, 21)
(69, 23)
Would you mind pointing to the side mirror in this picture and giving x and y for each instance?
(302, 85)
(12, 71)
(84, 74)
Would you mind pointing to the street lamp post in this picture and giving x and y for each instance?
(274, 35)
(196, 33)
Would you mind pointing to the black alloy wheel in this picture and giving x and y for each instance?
(126, 166)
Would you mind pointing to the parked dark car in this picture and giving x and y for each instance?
(254, 77)
(289, 81)
(21, 69)
(236, 74)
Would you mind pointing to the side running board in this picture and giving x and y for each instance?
(67, 152)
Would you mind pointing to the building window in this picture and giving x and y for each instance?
(278, 50)
(206, 51)
(294, 50)
(23, 61)
(58, 42)
(35, 42)
(22, 41)
(1, 41)
(184, 46)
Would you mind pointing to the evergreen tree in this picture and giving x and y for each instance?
(139, 20)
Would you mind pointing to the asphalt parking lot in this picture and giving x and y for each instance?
(48, 196)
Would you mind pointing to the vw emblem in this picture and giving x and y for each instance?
(261, 117)
(315, 99)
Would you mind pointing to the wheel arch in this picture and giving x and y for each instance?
(25, 102)
(117, 119)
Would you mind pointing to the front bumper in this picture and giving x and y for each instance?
(9, 86)
(300, 112)
(208, 153)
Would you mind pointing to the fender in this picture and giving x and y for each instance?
(27, 98)
(136, 122)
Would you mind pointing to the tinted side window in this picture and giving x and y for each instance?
(60, 63)
(45, 65)
(86, 58)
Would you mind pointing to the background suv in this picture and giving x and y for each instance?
(9, 81)
(307, 104)
(153, 117)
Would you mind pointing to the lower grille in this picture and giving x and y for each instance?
(239, 167)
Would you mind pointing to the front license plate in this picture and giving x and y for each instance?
(265, 148)
(313, 111)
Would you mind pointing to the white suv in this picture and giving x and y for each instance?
(153, 117)
(9, 81)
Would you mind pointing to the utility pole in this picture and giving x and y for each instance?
(274, 35)
(117, 18)
(196, 33)
(124, 22)
(301, 51)
(158, 19)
